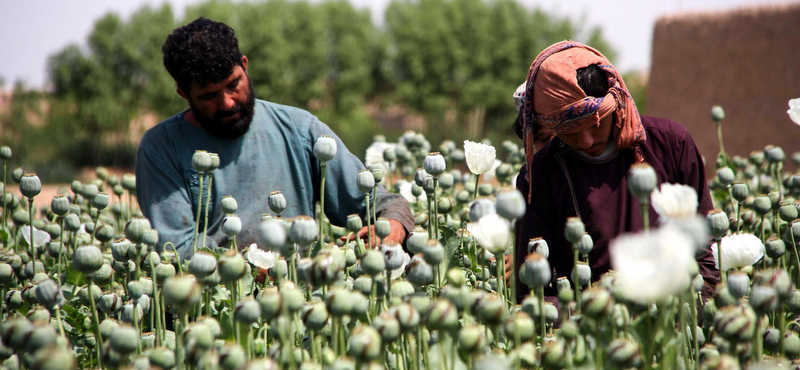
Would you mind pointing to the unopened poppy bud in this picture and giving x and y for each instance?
(201, 161)
(202, 264)
(418, 271)
(738, 284)
(118, 190)
(87, 259)
(511, 204)
(304, 231)
(762, 205)
(325, 148)
(383, 227)
(434, 164)
(365, 181)
(232, 266)
(365, 343)
(30, 185)
(717, 113)
(697, 283)
(387, 326)
(231, 225)
(433, 252)
(718, 223)
(574, 230)
(229, 204)
(354, 223)
(247, 311)
(624, 354)
(373, 262)
(472, 339)
(277, 202)
(584, 273)
(642, 179)
(377, 172)
(16, 174)
(585, 245)
(725, 176)
(739, 191)
(419, 177)
(442, 315)
(537, 271)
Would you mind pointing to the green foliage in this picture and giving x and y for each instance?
(453, 62)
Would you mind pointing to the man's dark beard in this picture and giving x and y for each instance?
(230, 130)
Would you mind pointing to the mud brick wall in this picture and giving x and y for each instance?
(746, 60)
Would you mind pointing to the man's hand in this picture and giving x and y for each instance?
(398, 234)
(509, 267)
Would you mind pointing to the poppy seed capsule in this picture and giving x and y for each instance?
(135, 229)
(30, 185)
(471, 339)
(788, 212)
(624, 354)
(717, 113)
(539, 245)
(520, 326)
(373, 263)
(446, 181)
(774, 154)
(417, 240)
(738, 284)
(418, 271)
(725, 176)
(585, 245)
(71, 222)
(89, 191)
(574, 230)
(272, 235)
(596, 302)
(214, 161)
(101, 201)
(433, 252)
(231, 225)
(510, 204)
(419, 177)
(584, 273)
(442, 315)
(481, 207)
(339, 302)
(762, 205)
(5, 152)
(87, 259)
(537, 271)
(293, 298)
(383, 227)
(304, 231)
(365, 181)
(125, 339)
(232, 266)
(718, 223)
(325, 148)
(201, 161)
(110, 303)
(491, 310)
(434, 164)
(229, 204)
(393, 255)
(48, 294)
(132, 313)
(775, 247)
(736, 323)
(129, 182)
(365, 343)
(277, 202)
(60, 205)
(270, 301)
(181, 292)
(354, 223)
(377, 173)
(387, 326)
(739, 191)
(642, 179)
(16, 175)
(247, 311)
(202, 264)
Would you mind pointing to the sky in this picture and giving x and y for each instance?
(31, 30)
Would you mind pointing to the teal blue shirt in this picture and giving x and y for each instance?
(275, 154)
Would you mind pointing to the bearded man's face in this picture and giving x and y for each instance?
(225, 109)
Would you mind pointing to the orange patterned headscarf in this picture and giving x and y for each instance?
(554, 100)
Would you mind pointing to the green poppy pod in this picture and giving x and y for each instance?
(136, 228)
(87, 259)
(642, 179)
(365, 181)
(417, 240)
(5, 152)
(383, 227)
(418, 271)
(232, 266)
(60, 205)
(48, 294)
(725, 176)
(521, 326)
(717, 114)
(377, 172)
(304, 231)
(16, 174)
(624, 354)
(574, 230)
(202, 264)
(30, 185)
(315, 315)
(247, 311)
(365, 343)
(738, 284)
(387, 326)
(325, 148)
(181, 292)
(434, 164)
(101, 201)
(718, 223)
(231, 225)
(232, 357)
(491, 310)
(537, 271)
(510, 204)
(201, 161)
(271, 303)
(272, 235)
(276, 202)
(129, 182)
(125, 339)
(214, 161)
(373, 262)
(740, 191)
(229, 204)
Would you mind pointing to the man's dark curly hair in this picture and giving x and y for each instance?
(203, 52)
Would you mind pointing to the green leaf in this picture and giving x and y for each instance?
(451, 243)
(3, 235)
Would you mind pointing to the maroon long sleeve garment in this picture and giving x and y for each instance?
(566, 184)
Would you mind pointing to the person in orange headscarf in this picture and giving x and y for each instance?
(575, 109)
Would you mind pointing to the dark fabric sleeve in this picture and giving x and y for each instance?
(342, 196)
(164, 200)
(691, 171)
(532, 225)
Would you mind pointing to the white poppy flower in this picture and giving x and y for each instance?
(260, 258)
(405, 191)
(480, 157)
(794, 110)
(674, 201)
(375, 152)
(652, 266)
(492, 232)
(41, 237)
(738, 250)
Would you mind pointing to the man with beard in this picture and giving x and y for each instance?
(262, 147)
